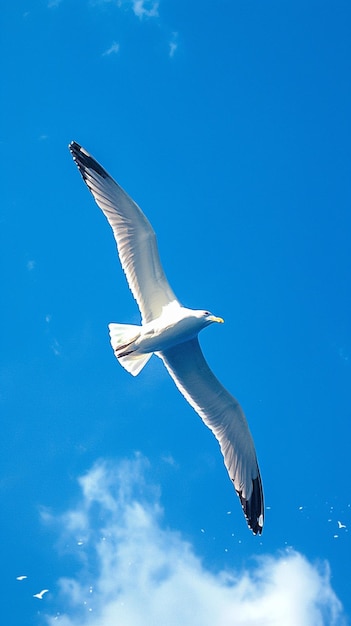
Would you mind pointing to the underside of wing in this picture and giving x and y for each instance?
(224, 416)
(136, 240)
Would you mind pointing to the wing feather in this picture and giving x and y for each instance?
(135, 237)
(221, 412)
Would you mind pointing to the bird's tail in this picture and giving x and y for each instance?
(122, 337)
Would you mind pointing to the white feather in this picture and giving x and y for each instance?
(170, 330)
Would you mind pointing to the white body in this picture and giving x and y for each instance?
(170, 330)
(176, 324)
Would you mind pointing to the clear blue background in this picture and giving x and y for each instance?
(229, 124)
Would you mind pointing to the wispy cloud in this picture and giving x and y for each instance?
(31, 265)
(54, 344)
(173, 44)
(113, 49)
(145, 8)
(343, 354)
(133, 566)
(55, 347)
(140, 8)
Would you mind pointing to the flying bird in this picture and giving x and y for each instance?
(170, 331)
(21, 577)
(40, 594)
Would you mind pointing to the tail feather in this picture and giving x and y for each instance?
(123, 335)
(134, 363)
(122, 338)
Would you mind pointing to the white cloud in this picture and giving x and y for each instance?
(140, 8)
(54, 344)
(113, 49)
(145, 8)
(55, 347)
(134, 570)
(173, 44)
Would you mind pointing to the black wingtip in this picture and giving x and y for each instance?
(85, 161)
(253, 507)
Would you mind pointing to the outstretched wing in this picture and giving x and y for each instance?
(135, 237)
(224, 416)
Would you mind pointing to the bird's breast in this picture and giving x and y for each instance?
(159, 337)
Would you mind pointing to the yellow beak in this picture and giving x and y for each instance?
(220, 320)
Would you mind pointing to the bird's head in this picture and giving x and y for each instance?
(208, 318)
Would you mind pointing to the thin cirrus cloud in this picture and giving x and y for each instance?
(140, 8)
(113, 49)
(132, 566)
(31, 265)
(145, 8)
(173, 44)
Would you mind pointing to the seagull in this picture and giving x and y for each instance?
(21, 577)
(40, 594)
(170, 331)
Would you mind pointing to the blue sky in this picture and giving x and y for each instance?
(229, 124)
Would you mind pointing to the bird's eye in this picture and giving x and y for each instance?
(207, 313)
